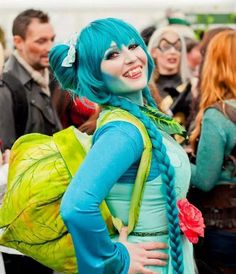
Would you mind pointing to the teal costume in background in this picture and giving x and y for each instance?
(119, 146)
(218, 137)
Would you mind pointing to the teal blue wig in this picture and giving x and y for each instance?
(84, 78)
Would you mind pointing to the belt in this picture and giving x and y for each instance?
(149, 234)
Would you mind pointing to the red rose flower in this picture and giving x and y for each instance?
(191, 220)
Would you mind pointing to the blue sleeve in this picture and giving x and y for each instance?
(117, 145)
(210, 153)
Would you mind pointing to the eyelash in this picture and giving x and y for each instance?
(112, 55)
(133, 46)
(115, 53)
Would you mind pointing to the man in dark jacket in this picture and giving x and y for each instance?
(33, 37)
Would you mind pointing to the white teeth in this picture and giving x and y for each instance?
(131, 73)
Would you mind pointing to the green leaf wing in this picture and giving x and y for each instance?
(164, 122)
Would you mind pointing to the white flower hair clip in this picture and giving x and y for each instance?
(70, 57)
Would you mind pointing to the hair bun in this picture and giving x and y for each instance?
(66, 76)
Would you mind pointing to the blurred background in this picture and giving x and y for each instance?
(195, 17)
(68, 16)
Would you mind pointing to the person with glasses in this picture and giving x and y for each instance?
(172, 75)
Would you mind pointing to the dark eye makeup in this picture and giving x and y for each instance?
(133, 46)
(165, 45)
(114, 52)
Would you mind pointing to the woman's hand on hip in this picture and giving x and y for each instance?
(143, 254)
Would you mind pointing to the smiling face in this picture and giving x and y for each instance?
(167, 54)
(124, 70)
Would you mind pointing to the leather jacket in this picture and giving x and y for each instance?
(42, 116)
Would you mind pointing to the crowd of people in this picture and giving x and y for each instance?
(109, 81)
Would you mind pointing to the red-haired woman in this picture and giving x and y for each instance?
(214, 142)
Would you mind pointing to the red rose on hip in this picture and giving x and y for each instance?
(191, 220)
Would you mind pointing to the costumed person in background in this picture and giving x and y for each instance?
(108, 63)
(214, 142)
(172, 75)
(179, 21)
(82, 114)
(202, 47)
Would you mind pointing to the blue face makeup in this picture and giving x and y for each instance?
(118, 87)
(124, 70)
(115, 85)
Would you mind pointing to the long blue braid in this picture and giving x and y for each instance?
(148, 97)
(167, 175)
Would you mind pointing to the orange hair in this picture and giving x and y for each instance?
(218, 76)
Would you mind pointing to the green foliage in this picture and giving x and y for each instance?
(164, 122)
(215, 18)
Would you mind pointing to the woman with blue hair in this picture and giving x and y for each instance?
(108, 63)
